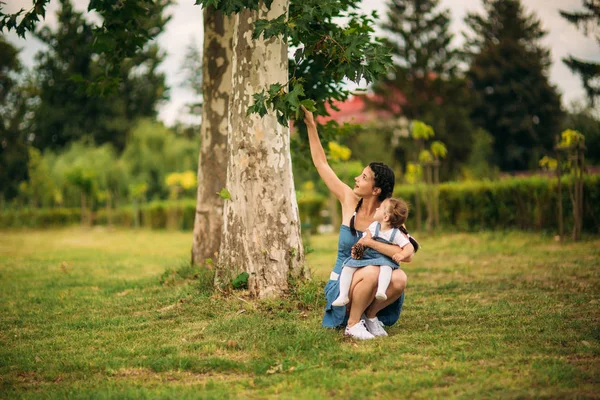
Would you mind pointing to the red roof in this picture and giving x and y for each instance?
(361, 108)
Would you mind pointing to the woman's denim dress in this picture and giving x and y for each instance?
(335, 317)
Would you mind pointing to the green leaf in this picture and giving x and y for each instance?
(259, 106)
(241, 281)
(224, 194)
(309, 105)
(292, 98)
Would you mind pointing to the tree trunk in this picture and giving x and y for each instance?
(212, 164)
(261, 231)
(437, 194)
(83, 209)
(428, 170)
(560, 207)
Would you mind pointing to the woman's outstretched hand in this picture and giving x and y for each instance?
(309, 119)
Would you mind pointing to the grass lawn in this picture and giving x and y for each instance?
(93, 314)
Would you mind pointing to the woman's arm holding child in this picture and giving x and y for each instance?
(405, 255)
(386, 249)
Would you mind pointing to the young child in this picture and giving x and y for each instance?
(387, 228)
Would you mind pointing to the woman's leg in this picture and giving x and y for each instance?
(362, 292)
(394, 291)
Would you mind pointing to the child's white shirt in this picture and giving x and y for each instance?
(399, 239)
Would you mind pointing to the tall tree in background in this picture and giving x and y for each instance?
(509, 76)
(212, 162)
(65, 112)
(589, 21)
(13, 141)
(425, 84)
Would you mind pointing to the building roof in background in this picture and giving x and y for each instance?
(363, 108)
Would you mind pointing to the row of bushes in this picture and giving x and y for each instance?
(523, 203)
(517, 203)
(155, 215)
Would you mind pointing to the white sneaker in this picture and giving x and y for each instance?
(375, 326)
(381, 296)
(359, 331)
(340, 301)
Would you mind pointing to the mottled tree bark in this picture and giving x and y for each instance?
(261, 231)
(212, 164)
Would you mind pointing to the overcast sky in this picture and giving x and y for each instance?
(186, 26)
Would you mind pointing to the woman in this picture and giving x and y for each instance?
(364, 315)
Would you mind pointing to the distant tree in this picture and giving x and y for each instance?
(152, 151)
(65, 110)
(584, 120)
(419, 36)
(13, 142)
(425, 83)
(589, 21)
(508, 74)
(191, 70)
(215, 85)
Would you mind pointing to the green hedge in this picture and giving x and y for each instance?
(39, 217)
(518, 203)
(310, 205)
(156, 215)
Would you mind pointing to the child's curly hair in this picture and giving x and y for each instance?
(397, 209)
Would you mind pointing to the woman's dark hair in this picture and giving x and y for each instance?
(411, 239)
(384, 179)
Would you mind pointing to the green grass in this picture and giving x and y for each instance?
(118, 314)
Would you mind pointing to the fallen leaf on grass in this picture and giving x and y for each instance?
(64, 267)
(167, 308)
(274, 369)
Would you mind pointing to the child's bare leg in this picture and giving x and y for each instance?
(385, 276)
(345, 281)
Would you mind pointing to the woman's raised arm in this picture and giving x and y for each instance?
(337, 187)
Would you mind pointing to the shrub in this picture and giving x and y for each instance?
(519, 203)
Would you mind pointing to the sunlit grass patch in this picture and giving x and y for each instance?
(121, 314)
